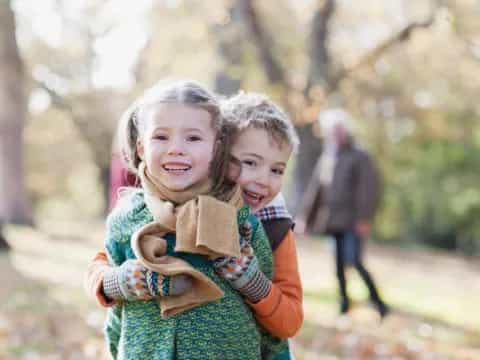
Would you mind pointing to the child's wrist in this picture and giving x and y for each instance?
(248, 274)
(111, 285)
(258, 288)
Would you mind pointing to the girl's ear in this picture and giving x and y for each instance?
(140, 149)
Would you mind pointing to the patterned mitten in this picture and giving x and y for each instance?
(132, 281)
(243, 273)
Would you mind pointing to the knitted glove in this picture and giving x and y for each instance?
(243, 273)
(132, 281)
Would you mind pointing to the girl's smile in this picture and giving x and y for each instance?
(176, 167)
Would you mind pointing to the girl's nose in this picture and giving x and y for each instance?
(176, 147)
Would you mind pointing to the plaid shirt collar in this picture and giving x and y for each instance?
(274, 210)
(272, 213)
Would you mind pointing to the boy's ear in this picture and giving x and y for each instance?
(140, 149)
(234, 169)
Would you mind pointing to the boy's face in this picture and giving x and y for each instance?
(263, 161)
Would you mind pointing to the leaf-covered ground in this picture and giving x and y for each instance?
(44, 313)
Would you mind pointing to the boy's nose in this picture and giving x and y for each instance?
(262, 178)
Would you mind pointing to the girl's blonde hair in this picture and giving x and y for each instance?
(188, 93)
(245, 110)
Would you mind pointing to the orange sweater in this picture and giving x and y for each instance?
(280, 313)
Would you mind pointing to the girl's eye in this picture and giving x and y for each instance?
(161, 137)
(249, 163)
(278, 171)
(194, 138)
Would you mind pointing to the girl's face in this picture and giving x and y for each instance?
(177, 144)
(263, 162)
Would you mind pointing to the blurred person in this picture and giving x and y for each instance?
(120, 175)
(248, 280)
(341, 200)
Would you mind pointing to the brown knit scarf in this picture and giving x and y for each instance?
(191, 215)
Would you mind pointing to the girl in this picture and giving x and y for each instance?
(171, 138)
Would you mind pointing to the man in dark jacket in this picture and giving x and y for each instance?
(341, 200)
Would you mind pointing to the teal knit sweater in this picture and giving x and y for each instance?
(223, 329)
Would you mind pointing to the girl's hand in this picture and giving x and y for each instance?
(132, 281)
(243, 273)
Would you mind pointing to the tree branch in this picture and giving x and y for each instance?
(138, 68)
(57, 99)
(63, 104)
(230, 47)
(274, 70)
(319, 69)
(380, 50)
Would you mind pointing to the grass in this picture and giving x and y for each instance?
(434, 297)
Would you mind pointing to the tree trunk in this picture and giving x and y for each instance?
(319, 73)
(305, 161)
(320, 68)
(14, 207)
(230, 39)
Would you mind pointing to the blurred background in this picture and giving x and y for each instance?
(407, 71)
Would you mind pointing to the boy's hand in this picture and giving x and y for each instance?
(243, 273)
(132, 281)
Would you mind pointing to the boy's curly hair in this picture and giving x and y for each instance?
(249, 109)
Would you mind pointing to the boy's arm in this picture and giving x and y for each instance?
(281, 312)
(97, 272)
(113, 255)
(103, 261)
(93, 280)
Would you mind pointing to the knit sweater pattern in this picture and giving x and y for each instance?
(222, 329)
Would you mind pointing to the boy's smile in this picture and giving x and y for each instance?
(253, 196)
(263, 161)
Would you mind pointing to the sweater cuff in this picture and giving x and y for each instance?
(267, 306)
(102, 299)
(111, 284)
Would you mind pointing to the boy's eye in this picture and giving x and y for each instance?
(194, 138)
(249, 162)
(278, 171)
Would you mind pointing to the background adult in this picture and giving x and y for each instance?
(341, 200)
